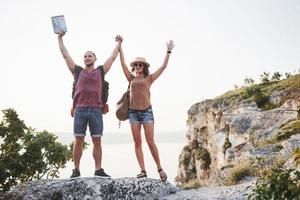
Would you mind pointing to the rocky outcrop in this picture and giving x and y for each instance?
(92, 188)
(232, 131)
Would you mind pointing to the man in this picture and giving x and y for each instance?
(88, 104)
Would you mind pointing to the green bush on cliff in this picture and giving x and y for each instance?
(185, 156)
(278, 184)
(260, 92)
(288, 130)
(201, 153)
(27, 155)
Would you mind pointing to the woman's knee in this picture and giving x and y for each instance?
(138, 143)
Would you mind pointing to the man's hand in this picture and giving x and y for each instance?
(119, 39)
(61, 34)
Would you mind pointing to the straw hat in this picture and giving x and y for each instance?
(140, 60)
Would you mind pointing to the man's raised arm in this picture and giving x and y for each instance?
(111, 59)
(65, 53)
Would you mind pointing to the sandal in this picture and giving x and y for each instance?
(163, 176)
(142, 174)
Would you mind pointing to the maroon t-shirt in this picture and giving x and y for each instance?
(88, 90)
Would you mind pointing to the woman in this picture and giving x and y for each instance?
(140, 110)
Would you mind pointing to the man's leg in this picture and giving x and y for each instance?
(77, 150)
(97, 152)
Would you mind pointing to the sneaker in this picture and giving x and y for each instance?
(75, 173)
(101, 174)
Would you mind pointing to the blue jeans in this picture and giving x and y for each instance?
(88, 116)
(141, 116)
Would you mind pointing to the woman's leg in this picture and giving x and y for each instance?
(149, 134)
(136, 133)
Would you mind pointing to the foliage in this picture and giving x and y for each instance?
(276, 76)
(238, 172)
(201, 153)
(26, 154)
(287, 75)
(292, 84)
(296, 155)
(249, 81)
(265, 77)
(278, 184)
(250, 91)
(227, 144)
(185, 156)
(288, 130)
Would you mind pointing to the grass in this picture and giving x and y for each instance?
(238, 172)
(260, 93)
(296, 155)
(193, 184)
(285, 132)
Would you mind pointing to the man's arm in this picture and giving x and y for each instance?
(65, 53)
(108, 63)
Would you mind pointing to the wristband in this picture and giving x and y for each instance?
(169, 51)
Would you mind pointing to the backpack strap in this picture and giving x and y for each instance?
(105, 85)
(102, 72)
(77, 71)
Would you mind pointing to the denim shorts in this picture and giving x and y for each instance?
(88, 116)
(141, 116)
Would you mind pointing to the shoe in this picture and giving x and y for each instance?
(142, 174)
(101, 174)
(75, 173)
(163, 176)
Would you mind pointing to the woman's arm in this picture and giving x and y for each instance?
(65, 53)
(158, 72)
(124, 66)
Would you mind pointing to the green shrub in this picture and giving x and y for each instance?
(27, 155)
(185, 156)
(250, 91)
(201, 153)
(278, 185)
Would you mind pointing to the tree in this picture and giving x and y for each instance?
(265, 77)
(27, 155)
(276, 76)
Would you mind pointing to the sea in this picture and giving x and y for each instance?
(118, 155)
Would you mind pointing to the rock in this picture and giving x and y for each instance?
(91, 188)
(237, 192)
(234, 129)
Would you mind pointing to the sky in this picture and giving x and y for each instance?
(218, 43)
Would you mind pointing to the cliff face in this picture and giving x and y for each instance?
(261, 129)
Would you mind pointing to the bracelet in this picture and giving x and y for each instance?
(169, 51)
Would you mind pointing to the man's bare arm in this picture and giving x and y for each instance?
(65, 53)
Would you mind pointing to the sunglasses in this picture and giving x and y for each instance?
(138, 65)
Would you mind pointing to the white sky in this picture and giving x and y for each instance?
(218, 44)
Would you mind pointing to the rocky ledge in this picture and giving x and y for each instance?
(89, 188)
(94, 188)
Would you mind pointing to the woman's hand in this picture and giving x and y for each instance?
(119, 39)
(170, 45)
